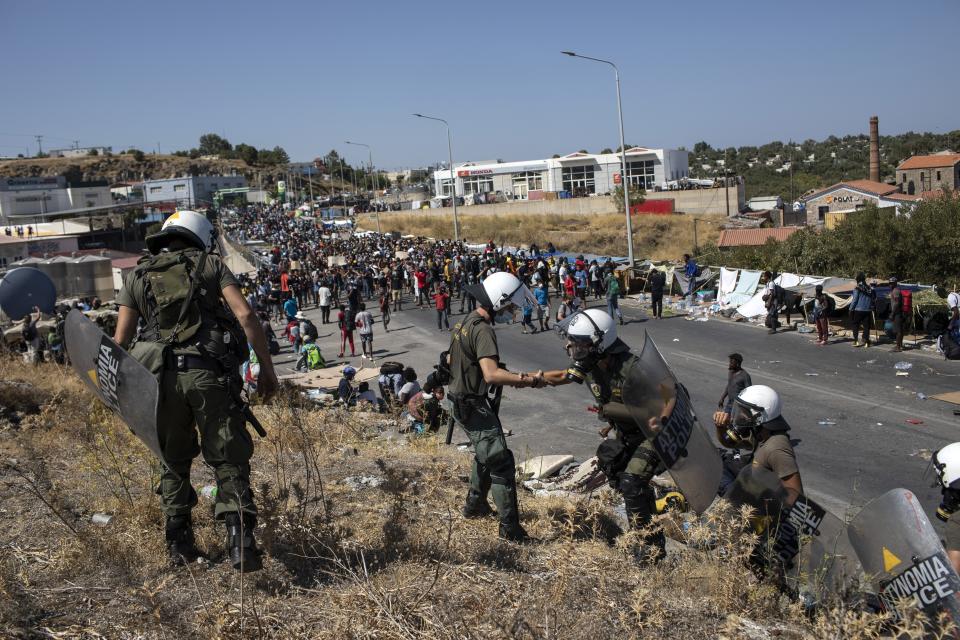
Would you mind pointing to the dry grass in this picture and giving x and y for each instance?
(391, 561)
(655, 236)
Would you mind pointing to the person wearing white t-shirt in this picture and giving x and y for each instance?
(325, 297)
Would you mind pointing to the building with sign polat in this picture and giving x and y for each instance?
(827, 207)
(573, 175)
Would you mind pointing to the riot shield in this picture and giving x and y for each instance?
(901, 552)
(650, 391)
(806, 540)
(117, 378)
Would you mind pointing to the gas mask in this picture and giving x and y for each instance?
(949, 503)
(744, 424)
(504, 316)
(583, 357)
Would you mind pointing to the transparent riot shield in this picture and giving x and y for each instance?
(651, 391)
(901, 553)
(808, 542)
(117, 378)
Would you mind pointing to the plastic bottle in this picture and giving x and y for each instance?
(209, 492)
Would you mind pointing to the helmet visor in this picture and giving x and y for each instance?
(746, 415)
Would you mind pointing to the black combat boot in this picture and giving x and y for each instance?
(180, 543)
(514, 532)
(476, 506)
(244, 555)
(639, 500)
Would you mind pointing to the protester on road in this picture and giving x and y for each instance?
(737, 380)
(861, 310)
(345, 322)
(542, 294)
(441, 300)
(385, 310)
(823, 306)
(324, 297)
(364, 324)
(901, 311)
(612, 285)
(656, 281)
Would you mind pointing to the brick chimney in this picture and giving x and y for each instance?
(875, 148)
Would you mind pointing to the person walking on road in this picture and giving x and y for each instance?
(901, 311)
(441, 300)
(385, 310)
(365, 329)
(613, 296)
(657, 280)
(474, 369)
(822, 307)
(325, 297)
(542, 294)
(345, 321)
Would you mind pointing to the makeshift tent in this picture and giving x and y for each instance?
(728, 282)
(703, 279)
(746, 287)
(756, 306)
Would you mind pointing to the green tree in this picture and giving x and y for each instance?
(211, 144)
(606, 150)
(637, 196)
(93, 152)
(247, 153)
(137, 154)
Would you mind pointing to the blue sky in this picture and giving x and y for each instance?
(309, 75)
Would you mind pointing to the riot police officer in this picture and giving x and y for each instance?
(602, 360)
(475, 369)
(757, 425)
(946, 463)
(195, 330)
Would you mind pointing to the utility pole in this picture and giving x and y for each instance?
(76, 145)
(696, 245)
(726, 182)
(39, 144)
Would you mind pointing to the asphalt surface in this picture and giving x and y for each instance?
(869, 450)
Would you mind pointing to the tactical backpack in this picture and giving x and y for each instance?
(170, 286)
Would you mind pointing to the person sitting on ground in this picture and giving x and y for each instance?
(410, 387)
(424, 410)
(345, 390)
(366, 397)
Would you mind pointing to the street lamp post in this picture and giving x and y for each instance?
(374, 188)
(625, 182)
(453, 180)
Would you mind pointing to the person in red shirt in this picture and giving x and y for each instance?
(422, 293)
(442, 301)
(569, 286)
(346, 322)
(284, 281)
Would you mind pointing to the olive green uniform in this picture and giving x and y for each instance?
(639, 463)
(493, 469)
(197, 393)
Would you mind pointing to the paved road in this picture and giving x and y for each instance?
(869, 450)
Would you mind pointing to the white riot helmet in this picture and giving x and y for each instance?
(592, 328)
(499, 291)
(756, 405)
(189, 225)
(946, 461)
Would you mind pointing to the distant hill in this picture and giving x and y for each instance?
(767, 169)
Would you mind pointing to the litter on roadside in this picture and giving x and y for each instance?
(913, 421)
(102, 519)
(903, 374)
(921, 396)
(826, 423)
(676, 339)
(812, 374)
(903, 366)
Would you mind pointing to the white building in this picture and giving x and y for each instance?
(79, 152)
(36, 197)
(578, 174)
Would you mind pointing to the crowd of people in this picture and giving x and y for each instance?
(310, 266)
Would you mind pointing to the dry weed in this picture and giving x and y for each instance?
(362, 539)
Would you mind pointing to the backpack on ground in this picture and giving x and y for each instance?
(311, 331)
(390, 368)
(948, 346)
(314, 357)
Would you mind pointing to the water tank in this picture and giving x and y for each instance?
(89, 276)
(56, 268)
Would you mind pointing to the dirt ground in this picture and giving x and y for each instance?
(659, 237)
(362, 538)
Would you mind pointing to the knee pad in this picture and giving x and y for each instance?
(633, 486)
(503, 470)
